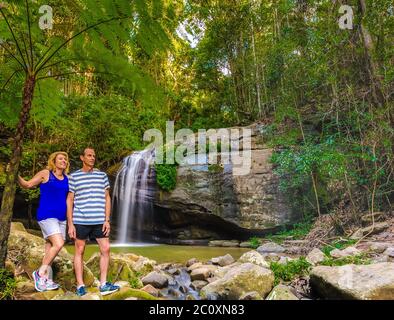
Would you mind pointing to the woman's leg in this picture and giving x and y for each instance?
(56, 243)
(43, 269)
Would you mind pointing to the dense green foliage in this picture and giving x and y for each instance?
(297, 231)
(254, 242)
(358, 259)
(166, 176)
(290, 270)
(7, 285)
(337, 244)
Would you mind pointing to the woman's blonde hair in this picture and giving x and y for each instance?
(52, 158)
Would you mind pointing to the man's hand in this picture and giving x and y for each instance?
(72, 232)
(106, 228)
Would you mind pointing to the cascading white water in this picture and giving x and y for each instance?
(132, 196)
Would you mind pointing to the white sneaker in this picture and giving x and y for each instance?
(39, 282)
(51, 285)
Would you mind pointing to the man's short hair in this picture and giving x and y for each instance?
(82, 153)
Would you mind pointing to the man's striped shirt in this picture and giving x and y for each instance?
(89, 196)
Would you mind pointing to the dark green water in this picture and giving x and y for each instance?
(169, 253)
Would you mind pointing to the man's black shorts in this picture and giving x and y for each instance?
(85, 232)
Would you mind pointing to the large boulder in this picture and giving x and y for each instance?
(155, 279)
(378, 247)
(144, 265)
(121, 267)
(223, 243)
(282, 292)
(24, 288)
(195, 265)
(191, 261)
(389, 252)
(90, 296)
(270, 247)
(239, 280)
(198, 284)
(151, 290)
(347, 252)
(63, 272)
(46, 295)
(17, 226)
(315, 256)
(255, 258)
(223, 260)
(252, 295)
(362, 282)
(246, 244)
(221, 271)
(27, 251)
(127, 292)
(203, 272)
(371, 230)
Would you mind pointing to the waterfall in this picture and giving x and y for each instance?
(133, 195)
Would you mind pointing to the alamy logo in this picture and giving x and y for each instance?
(46, 20)
(346, 20)
(213, 146)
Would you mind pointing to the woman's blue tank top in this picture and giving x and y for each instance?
(53, 195)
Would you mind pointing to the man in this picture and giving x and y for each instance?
(88, 213)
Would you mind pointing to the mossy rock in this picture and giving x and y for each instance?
(23, 287)
(282, 292)
(64, 274)
(27, 251)
(35, 232)
(120, 268)
(21, 240)
(239, 280)
(126, 292)
(46, 295)
(73, 296)
(144, 265)
(17, 226)
(10, 266)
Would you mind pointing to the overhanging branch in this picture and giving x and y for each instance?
(13, 35)
(41, 65)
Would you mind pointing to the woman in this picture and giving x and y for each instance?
(51, 213)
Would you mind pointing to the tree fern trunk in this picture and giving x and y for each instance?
(12, 169)
(372, 67)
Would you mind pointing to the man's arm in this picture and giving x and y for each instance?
(70, 210)
(106, 225)
(107, 205)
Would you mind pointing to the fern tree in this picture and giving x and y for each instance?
(87, 36)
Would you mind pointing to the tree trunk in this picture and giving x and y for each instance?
(372, 68)
(12, 169)
(257, 76)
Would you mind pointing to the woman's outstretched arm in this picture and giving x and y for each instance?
(35, 181)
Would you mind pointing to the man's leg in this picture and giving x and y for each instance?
(104, 258)
(52, 247)
(78, 260)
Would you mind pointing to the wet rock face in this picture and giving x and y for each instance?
(210, 204)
